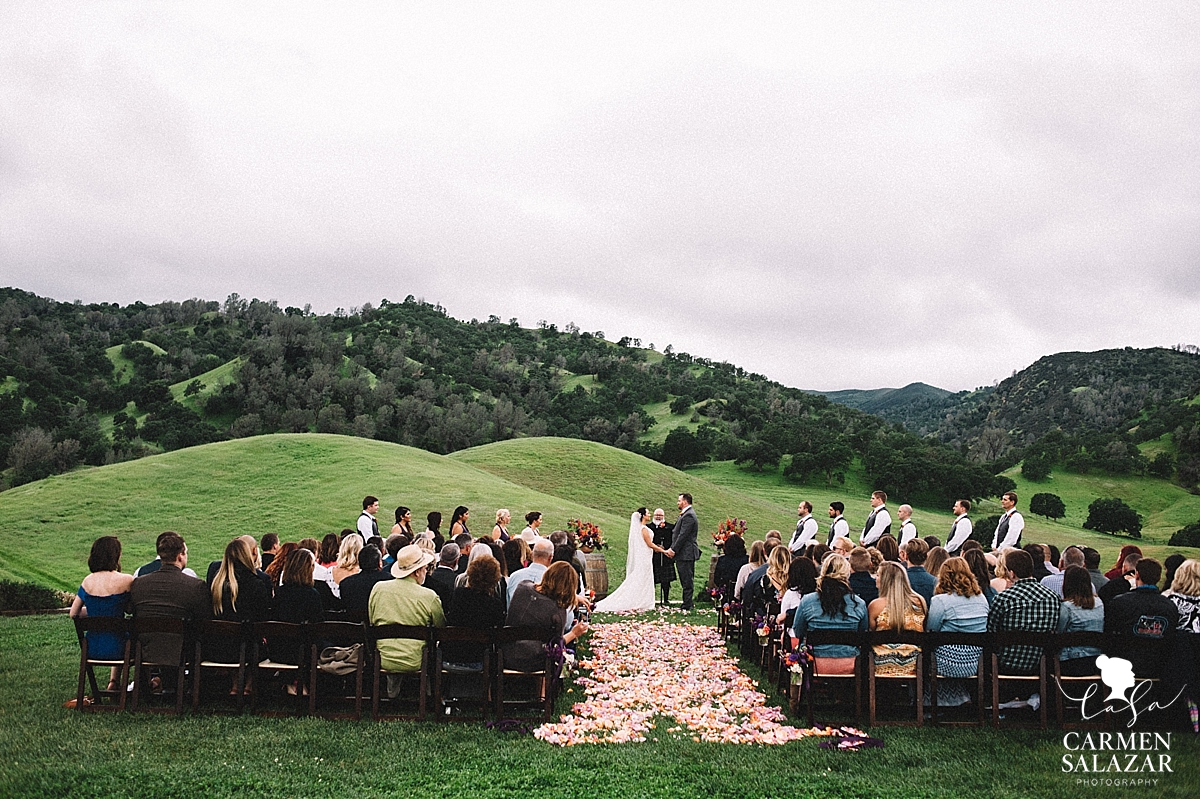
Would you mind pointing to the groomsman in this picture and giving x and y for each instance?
(908, 530)
(878, 523)
(806, 528)
(960, 531)
(839, 527)
(1008, 531)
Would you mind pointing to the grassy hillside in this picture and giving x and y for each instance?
(294, 485)
(618, 481)
(123, 368)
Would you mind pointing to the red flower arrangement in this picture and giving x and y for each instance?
(727, 528)
(587, 535)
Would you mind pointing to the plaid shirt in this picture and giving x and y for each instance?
(1028, 606)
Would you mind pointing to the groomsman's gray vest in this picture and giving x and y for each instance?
(871, 521)
(1002, 531)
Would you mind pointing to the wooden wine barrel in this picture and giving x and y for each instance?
(595, 573)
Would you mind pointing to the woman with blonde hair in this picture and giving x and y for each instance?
(833, 606)
(347, 560)
(958, 606)
(1185, 593)
(500, 531)
(897, 608)
(238, 594)
(777, 570)
(1004, 578)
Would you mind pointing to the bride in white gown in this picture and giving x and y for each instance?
(636, 593)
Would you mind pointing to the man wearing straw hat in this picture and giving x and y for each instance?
(405, 600)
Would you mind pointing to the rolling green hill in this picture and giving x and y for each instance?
(295, 485)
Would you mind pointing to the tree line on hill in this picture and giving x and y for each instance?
(409, 373)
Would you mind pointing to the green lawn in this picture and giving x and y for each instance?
(213, 381)
(47, 751)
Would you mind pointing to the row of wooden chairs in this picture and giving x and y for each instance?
(292, 658)
(1047, 679)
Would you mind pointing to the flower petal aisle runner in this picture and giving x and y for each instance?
(640, 670)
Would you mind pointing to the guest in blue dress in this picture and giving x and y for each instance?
(104, 592)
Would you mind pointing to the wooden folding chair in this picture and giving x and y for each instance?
(854, 638)
(113, 625)
(178, 630)
(997, 643)
(1077, 686)
(391, 631)
(542, 677)
(209, 634)
(917, 677)
(286, 656)
(340, 634)
(933, 642)
(446, 672)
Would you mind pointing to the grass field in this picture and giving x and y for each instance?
(47, 751)
(294, 485)
(122, 366)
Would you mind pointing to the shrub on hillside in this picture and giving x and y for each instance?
(30, 596)
(1049, 505)
(1036, 467)
(1113, 516)
(983, 530)
(1186, 536)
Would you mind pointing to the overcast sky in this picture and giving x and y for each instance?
(835, 198)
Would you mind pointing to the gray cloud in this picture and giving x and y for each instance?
(832, 198)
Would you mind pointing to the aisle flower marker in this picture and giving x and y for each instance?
(641, 670)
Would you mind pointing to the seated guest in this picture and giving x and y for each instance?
(404, 600)
(543, 555)
(465, 543)
(356, 589)
(390, 547)
(1071, 556)
(153, 566)
(801, 580)
(913, 556)
(1185, 594)
(752, 598)
(1052, 558)
(312, 545)
(1120, 568)
(296, 600)
(958, 606)
(169, 593)
(777, 574)
(862, 582)
(543, 605)
(730, 563)
(932, 541)
(441, 581)
(888, 547)
(478, 605)
(480, 550)
(326, 559)
(1123, 584)
(377, 542)
(843, 545)
(269, 547)
(255, 556)
(1038, 553)
(104, 592)
(347, 562)
(977, 561)
(1170, 566)
(1091, 560)
(275, 569)
(1003, 579)
(1079, 612)
(1143, 621)
(757, 557)
(1027, 606)
(237, 595)
(816, 552)
(934, 560)
(897, 608)
(516, 554)
(833, 606)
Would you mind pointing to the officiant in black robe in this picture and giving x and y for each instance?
(664, 567)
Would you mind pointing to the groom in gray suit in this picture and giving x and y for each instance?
(684, 549)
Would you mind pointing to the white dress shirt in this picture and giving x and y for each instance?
(806, 532)
(883, 520)
(1016, 523)
(959, 535)
(908, 531)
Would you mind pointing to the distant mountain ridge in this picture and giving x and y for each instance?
(920, 407)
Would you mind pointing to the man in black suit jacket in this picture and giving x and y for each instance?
(441, 580)
(356, 589)
(684, 549)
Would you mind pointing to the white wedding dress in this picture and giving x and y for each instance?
(636, 593)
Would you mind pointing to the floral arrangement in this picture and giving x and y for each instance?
(717, 593)
(732, 608)
(796, 662)
(762, 626)
(587, 535)
(727, 528)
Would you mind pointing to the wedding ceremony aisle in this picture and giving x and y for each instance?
(641, 670)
